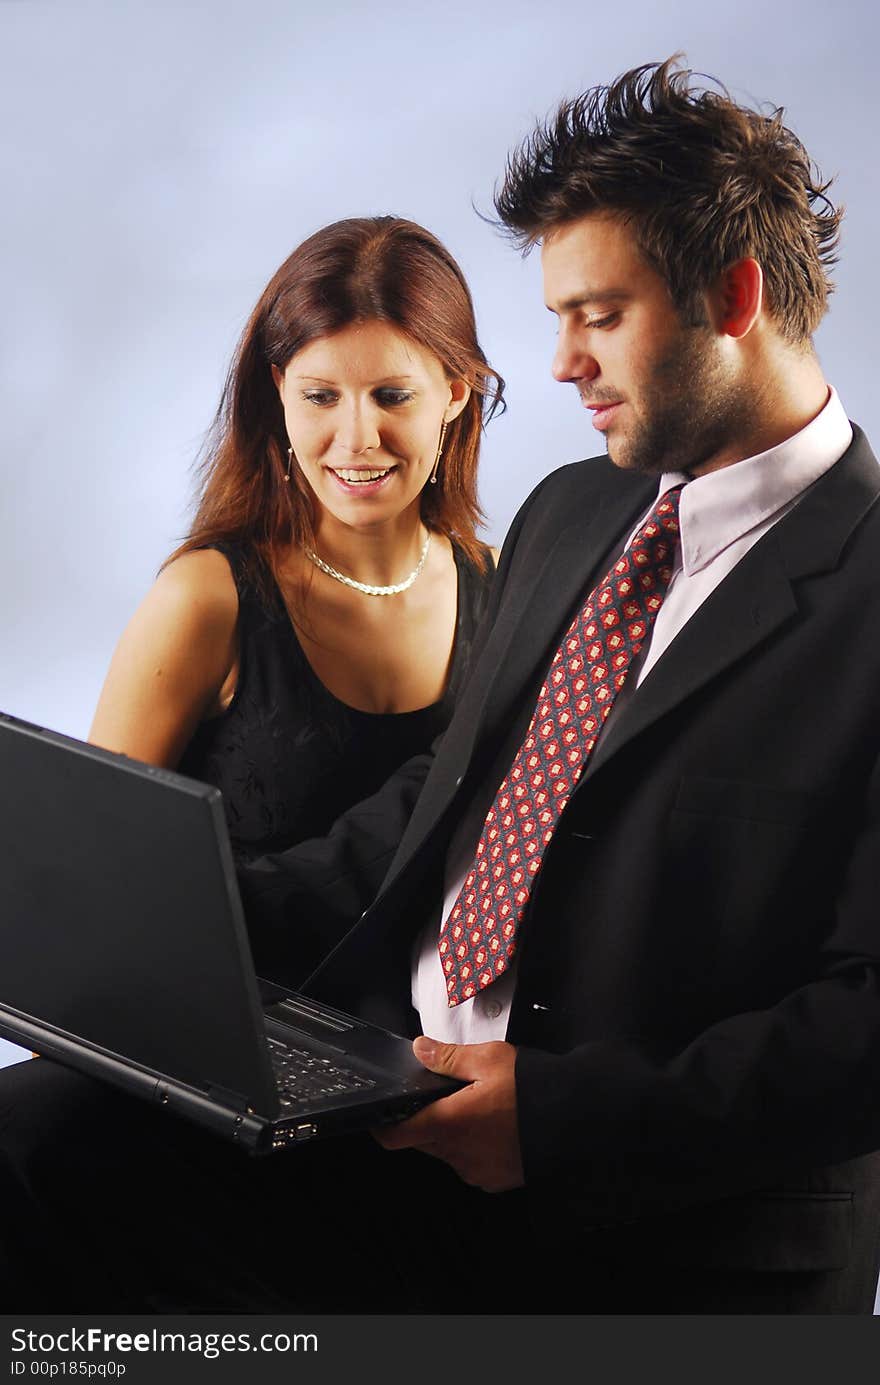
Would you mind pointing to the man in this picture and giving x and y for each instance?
(680, 1044)
(653, 821)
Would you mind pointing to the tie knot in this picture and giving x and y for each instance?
(665, 511)
(655, 540)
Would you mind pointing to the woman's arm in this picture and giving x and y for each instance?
(175, 664)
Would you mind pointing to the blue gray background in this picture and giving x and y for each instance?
(159, 160)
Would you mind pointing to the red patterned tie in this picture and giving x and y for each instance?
(589, 668)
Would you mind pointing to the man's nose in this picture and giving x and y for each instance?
(572, 360)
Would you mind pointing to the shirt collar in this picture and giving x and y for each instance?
(725, 505)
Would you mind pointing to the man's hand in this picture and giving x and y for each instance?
(473, 1130)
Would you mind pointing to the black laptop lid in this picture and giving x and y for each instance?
(119, 913)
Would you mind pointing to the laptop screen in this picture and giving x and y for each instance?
(120, 921)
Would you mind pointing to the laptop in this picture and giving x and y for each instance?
(124, 954)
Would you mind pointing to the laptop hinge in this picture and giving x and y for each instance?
(224, 1097)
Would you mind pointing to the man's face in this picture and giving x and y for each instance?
(663, 393)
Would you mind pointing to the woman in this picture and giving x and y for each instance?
(311, 633)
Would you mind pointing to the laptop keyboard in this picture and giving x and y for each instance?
(303, 1078)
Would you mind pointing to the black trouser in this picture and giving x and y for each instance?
(107, 1204)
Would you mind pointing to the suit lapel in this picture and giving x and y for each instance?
(538, 617)
(755, 600)
(743, 610)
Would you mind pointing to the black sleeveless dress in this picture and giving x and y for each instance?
(288, 756)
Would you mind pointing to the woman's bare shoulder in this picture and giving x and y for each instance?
(200, 581)
(204, 571)
(173, 660)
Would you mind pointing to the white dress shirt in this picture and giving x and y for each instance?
(721, 516)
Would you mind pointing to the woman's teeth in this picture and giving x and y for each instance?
(353, 477)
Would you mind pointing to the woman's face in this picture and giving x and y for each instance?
(364, 408)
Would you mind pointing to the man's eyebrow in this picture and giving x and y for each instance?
(581, 300)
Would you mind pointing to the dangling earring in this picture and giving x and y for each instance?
(439, 454)
(289, 461)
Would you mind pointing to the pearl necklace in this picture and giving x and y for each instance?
(364, 586)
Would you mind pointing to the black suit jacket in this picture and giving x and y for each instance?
(697, 1008)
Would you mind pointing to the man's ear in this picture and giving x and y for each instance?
(737, 298)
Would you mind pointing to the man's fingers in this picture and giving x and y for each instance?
(436, 1057)
(420, 1130)
(468, 1062)
(474, 1129)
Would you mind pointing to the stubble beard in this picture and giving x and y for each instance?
(689, 412)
